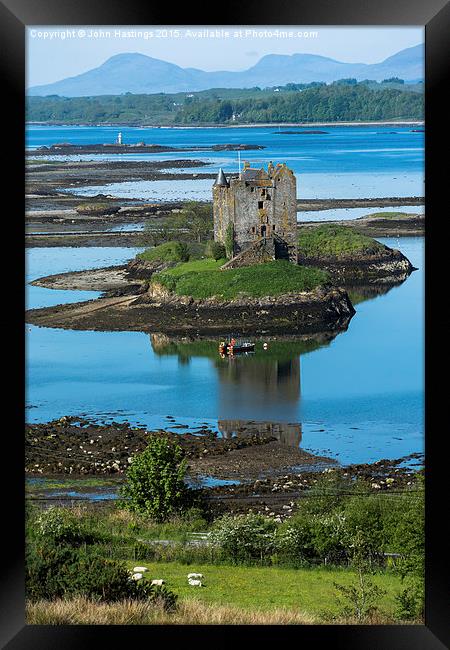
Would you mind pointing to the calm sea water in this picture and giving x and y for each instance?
(343, 162)
(358, 399)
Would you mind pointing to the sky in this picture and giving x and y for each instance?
(57, 52)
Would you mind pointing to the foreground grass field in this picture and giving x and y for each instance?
(203, 279)
(309, 591)
(231, 596)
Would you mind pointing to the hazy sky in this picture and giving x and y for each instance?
(54, 53)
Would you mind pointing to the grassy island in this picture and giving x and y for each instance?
(204, 279)
(335, 241)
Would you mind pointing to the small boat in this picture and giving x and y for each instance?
(235, 346)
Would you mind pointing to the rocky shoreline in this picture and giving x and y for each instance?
(325, 308)
(386, 266)
(264, 473)
(67, 149)
(73, 445)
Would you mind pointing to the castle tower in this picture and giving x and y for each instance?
(261, 206)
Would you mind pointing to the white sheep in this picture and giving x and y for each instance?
(136, 576)
(158, 583)
(195, 575)
(140, 569)
(195, 583)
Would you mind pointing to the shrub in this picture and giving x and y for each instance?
(363, 594)
(154, 482)
(244, 537)
(306, 537)
(61, 526)
(366, 515)
(410, 602)
(55, 572)
(215, 249)
(171, 251)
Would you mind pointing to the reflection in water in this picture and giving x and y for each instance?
(289, 433)
(361, 292)
(260, 392)
(257, 392)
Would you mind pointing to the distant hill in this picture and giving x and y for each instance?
(141, 74)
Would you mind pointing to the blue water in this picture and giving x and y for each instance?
(344, 162)
(364, 390)
(358, 399)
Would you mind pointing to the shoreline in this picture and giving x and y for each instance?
(256, 468)
(232, 126)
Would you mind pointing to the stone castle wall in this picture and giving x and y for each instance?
(258, 209)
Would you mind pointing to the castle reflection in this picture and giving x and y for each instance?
(256, 393)
(260, 394)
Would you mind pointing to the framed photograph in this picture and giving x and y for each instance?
(227, 321)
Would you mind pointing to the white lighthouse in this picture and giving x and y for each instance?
(119, 137)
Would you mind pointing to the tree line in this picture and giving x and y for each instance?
(345, 100)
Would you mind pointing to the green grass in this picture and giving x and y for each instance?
(203, 279)
(333, 240)
(265, 588)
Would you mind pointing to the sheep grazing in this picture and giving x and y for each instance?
(157, 583)
(140, 569)
(195, 575)
(136, 576)
(195, 583)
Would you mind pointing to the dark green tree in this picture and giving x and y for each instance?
(155, 480)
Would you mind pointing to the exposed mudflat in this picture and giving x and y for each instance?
(268, 474)
(103, 279)
(73, 445)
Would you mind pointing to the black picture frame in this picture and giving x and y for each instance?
(15, 15)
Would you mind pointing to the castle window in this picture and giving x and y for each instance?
(252, 189)
(260, 205)
(273, 227)
(263, 231)
(253, 229)
(263, 192)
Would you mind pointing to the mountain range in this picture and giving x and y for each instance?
(140, 74)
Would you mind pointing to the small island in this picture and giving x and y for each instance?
(259, 275)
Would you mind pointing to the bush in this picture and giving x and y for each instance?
(307, 537)
(244, 537)
(54, 572)
(215, 249)
(60, 526)
(410, 602)
(155, 481)
(171, 251)
(366, 515)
